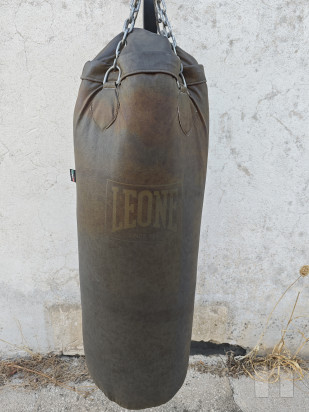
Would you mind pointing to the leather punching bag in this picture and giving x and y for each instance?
(140, 140)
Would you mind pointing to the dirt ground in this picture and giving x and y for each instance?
(208, 387)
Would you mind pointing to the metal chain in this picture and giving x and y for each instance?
(127, 29)
(163, 19)
(166, 31)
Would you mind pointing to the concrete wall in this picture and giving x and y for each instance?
(254, 235)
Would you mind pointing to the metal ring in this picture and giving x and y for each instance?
(112, 68)
(183, 80)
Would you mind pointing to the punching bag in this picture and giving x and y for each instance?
(140, 140)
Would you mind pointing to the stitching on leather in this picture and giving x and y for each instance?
(148, 72)
(96, 80)
(198, 82)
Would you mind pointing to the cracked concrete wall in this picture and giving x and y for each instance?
(254, 235)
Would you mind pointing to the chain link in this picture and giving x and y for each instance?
(165, 30)
(163, 20)
(127, 29)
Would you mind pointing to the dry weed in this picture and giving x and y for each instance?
(281, 362)
(37, 371)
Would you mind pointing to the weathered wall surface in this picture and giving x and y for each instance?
(254, 235)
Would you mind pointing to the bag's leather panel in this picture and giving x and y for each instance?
(141, 156)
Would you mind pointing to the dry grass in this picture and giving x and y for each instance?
(219, 368)
(280, 363)
(36, 371)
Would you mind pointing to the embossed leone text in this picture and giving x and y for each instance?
(132, 208)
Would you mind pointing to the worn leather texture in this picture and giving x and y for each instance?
(141, 157)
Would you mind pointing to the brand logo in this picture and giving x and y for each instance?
(142, 212)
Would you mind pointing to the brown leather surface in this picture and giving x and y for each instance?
(141, 157)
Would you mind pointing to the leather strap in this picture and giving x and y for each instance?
(150, 21)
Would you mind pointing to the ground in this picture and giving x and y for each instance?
(206, 392)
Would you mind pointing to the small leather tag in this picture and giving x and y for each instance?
(104, 107)
(186, 112)
(73, 175)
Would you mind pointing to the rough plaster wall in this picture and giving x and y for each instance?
(254, 235)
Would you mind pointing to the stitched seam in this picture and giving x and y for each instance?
(198, 82)
(149, 72)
